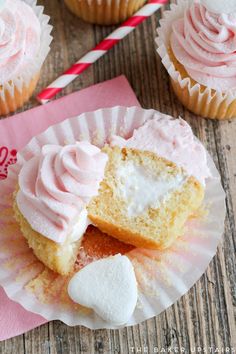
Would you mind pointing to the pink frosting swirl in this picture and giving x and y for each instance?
(56, 185)
(205, 44)
(19, 38)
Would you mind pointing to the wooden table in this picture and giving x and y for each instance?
(205, 316)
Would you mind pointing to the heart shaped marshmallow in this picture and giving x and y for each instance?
(220, 6)
(108, 286)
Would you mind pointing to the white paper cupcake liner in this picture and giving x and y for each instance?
(32, 70)
(104, 12)
(199, 99)
(162, 276)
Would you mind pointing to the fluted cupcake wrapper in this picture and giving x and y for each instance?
(14, 93)
(199, 99)
(162, 276)
(104, 12)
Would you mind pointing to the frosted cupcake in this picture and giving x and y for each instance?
(32, 284)
(197, 44)
(24, 45)
(104, 12)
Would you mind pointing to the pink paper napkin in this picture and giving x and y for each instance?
(15, 133)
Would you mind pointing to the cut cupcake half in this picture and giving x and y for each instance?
(144, 200)
(54, 189)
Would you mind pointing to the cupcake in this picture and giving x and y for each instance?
(24, 45)
(131, 190)
(48, 179)
(104, 12)
(197, 44)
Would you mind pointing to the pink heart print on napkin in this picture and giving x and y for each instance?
(16, 132)
(7, 158)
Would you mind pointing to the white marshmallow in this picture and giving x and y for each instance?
(108, 286)
(220, 6)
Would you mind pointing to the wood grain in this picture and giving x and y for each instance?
(205, 316)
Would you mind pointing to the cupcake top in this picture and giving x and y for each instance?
(204, 42)
(56, 185)
(20, 33)
(172, 139)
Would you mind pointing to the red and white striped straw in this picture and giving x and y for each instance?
(91, 57)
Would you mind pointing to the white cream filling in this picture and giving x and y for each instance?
(77, 232)
(79, 227)
(141, 191)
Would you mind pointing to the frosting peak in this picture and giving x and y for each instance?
(204, 42)
(56, 185)
(19, 38)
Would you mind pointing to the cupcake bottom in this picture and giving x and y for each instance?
(201, 100)
(104, 12)
(11, 102)
(56, 256)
